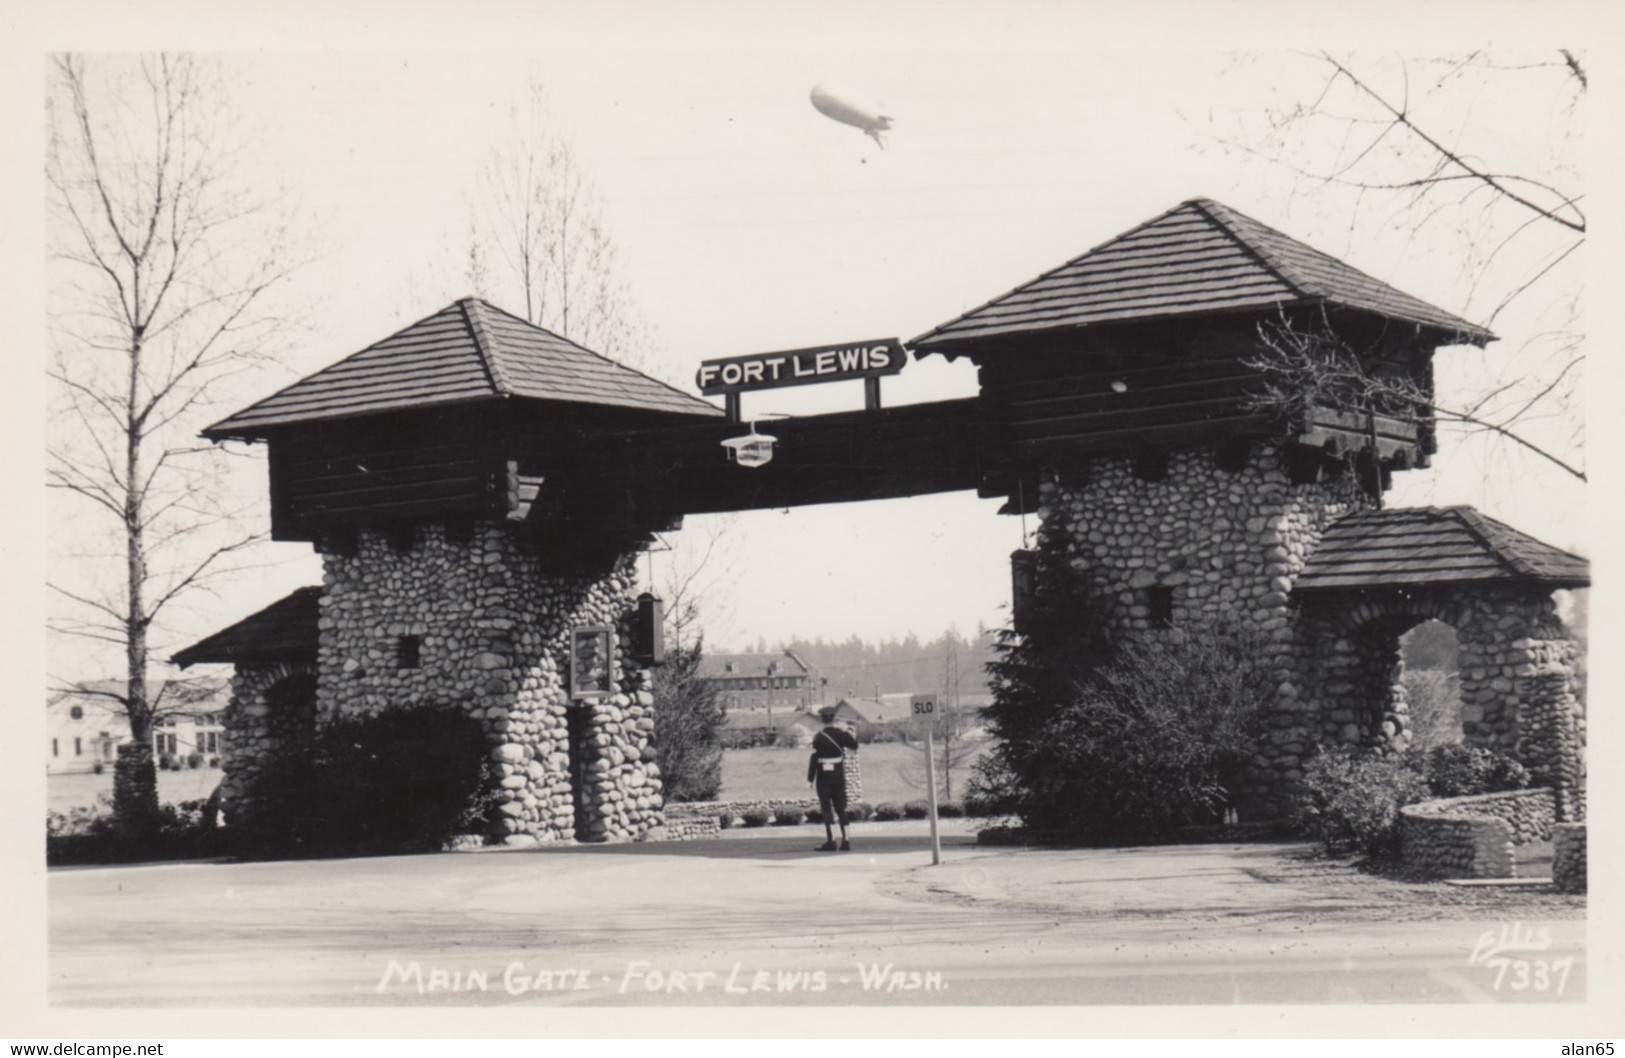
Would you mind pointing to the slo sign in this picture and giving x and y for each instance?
(924, 704)
(801, 367)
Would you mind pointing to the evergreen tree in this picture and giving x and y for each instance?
(688, 727)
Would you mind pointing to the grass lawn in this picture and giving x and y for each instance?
(887, 767)
(63, 792)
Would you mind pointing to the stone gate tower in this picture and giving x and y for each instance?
(474, 554)
(1169, 405)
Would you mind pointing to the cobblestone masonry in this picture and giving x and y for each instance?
(1229, 545)
(492, 636)
(253, 729)
(1569, 857)
(1474, 837)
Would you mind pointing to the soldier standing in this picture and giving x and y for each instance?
(826, 770)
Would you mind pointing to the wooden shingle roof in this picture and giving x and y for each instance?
(1200, 257)
(468, 351)
(1418, 546)
(283, 631)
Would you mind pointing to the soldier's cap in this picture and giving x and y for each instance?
(827, 713)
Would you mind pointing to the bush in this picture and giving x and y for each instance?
(815, 815)
(1350, 798)
(194, 759)
(886, 811)
(950, 809)
(756, 817)
(406, 779)
(1120, 741)
(788, 817)
(725, 820)
(858, 811)
(916, 810)
(1455, 770)
(93, 835)
(167, 763)
(98, 768)
(214, 762)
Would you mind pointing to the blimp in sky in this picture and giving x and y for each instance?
(850, 108)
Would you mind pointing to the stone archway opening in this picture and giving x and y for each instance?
(1430, 679)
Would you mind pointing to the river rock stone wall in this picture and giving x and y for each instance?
(1227, 546)
(1569, 857)
(1474, 837)
(253, 734)
(1198, 542)
(470, 620)
(1517, 664)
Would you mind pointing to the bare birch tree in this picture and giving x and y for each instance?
(1475, 155)
(165, 257)
(538, 239)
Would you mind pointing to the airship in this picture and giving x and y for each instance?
(850, 108)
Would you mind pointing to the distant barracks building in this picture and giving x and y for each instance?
(478, 490)
(761, 681)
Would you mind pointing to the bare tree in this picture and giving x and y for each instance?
(1474, 155)
(538, 238)
(165, 257)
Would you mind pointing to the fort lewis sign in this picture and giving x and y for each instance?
(800, 367)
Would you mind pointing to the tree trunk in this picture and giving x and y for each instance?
(135, 781)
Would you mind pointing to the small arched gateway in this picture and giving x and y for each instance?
(1378, 574)
(478, 489)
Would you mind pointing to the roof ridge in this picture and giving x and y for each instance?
(484, 345)
(1120, 236)
(591, 352)
(1310, 289)
(1213, 210)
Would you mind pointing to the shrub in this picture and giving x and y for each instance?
(756, 817)
(950, 809)
(886, 811)
(815, 815)
(725, 820)
(858, 811)
(1350, 798)
(406, 779)
(788, 817)
(688, 728)
(1455, 770)
(214, 762)
(166, 762)
(916, 810)
(93, 834)
(98, 768)
(194, 759)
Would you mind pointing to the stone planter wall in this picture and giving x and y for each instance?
(1569, 857)
(1474, 837)
(492, 636)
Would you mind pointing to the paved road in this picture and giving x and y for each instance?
(760, 919)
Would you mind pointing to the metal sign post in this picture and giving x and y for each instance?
(926, 705)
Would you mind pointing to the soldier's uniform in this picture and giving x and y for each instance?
(826, 770)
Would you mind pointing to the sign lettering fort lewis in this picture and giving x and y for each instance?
(800, 367)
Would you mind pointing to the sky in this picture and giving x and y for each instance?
(748, 222)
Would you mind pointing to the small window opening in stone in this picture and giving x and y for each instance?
(1159, 599)
(409, 652)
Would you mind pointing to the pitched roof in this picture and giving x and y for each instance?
(888, 709)
(283, 631)
(1418, 546)
(467, 351)
(1200, 257)
(750, 666)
